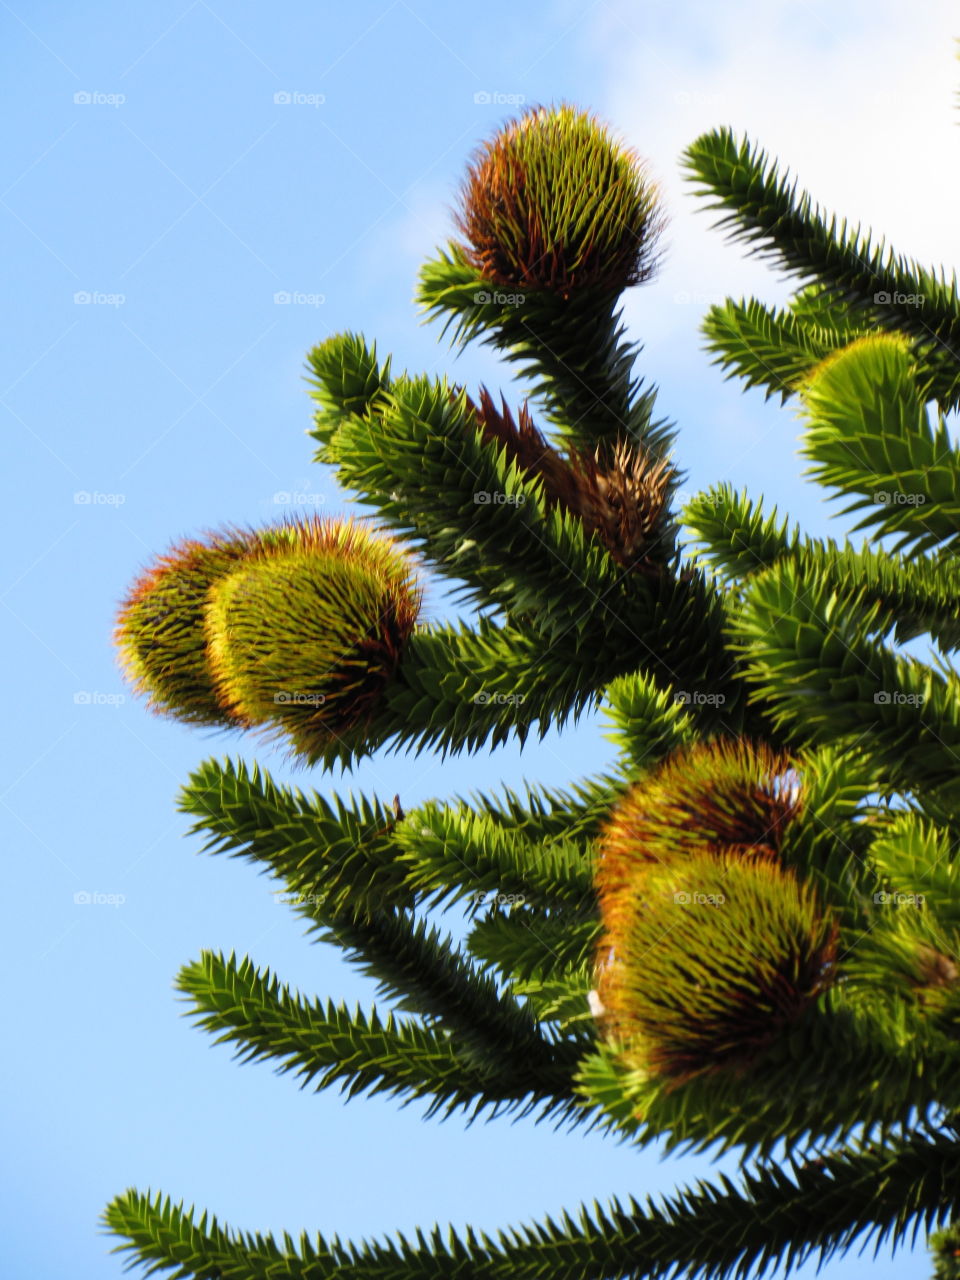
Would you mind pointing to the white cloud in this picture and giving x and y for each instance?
(406, 234)
(857, 99)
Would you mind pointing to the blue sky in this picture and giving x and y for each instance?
(150, 168)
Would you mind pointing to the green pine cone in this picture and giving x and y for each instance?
(726, 796)
(160, 634)
(305, 638)
(717, 959)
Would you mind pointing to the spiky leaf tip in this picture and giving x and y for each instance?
(306, 635)
(553, 202)
(873, 367)
(715, 961)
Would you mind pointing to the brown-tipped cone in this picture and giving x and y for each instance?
(159, 632)
(553, 202)
(715, 960)
(306, 637)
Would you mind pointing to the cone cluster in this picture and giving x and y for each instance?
(298, 627)
(553, 202)
(712, 946)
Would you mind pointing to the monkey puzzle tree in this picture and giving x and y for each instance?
(746, 935)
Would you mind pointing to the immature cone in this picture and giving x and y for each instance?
(306, 636)
(160, 632)
(715, 959)
(727, 796)
(553, 202)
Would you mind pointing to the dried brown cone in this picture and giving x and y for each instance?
(621, 494)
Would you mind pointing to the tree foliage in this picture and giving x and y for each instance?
(745, 936)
